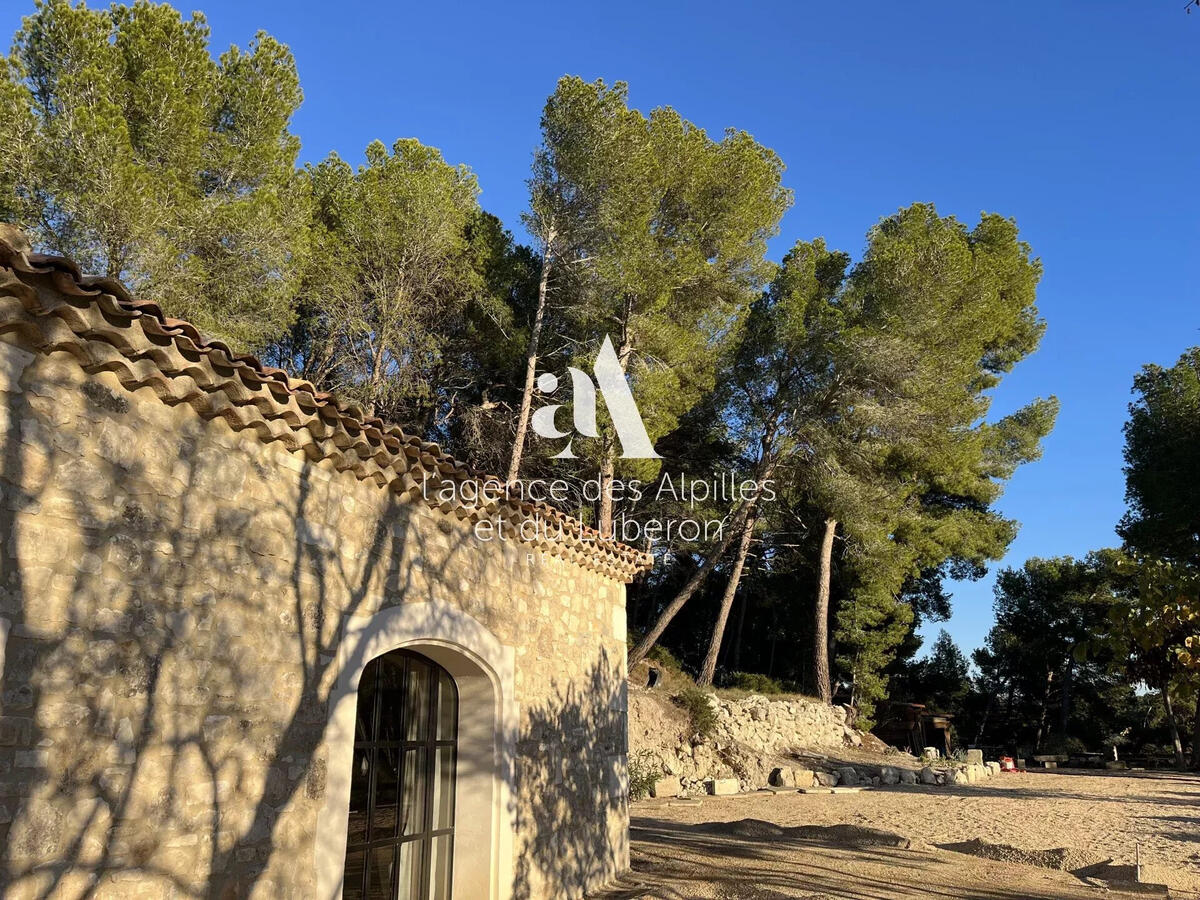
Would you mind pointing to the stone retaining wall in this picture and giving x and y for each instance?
(750, 738)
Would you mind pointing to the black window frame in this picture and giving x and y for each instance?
(370, 742)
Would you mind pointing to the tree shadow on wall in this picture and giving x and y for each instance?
(571, 802)
(141, 740)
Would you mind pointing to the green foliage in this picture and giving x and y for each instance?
(1162, 457)
(662, 233)
(756, 683)
(942, 679)
(643, 770)
(129, 148)
(902, 453)
(701, 715)
(392, 275)
(1043, 667)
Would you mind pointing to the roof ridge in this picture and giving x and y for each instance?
(339, 430)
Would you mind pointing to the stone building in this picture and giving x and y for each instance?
(247, 651)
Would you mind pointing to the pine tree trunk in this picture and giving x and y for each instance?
(608, 460)
(820, 646)
(1169, 707)
(1064, 716)
(709, 669)
(737, 636)
(531, 358)
(638, 653)
(1196, 737)
(604, 519)
(1041, 732)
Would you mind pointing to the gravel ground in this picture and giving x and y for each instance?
(988, 840)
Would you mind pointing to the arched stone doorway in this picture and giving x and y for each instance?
(481, 669)
(400, 837)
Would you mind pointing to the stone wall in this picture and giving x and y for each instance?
(752, 736)
(175, 590)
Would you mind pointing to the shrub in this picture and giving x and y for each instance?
(664, 658)
(658, 653)
(756, 682)
(643, 772)
(699, 710)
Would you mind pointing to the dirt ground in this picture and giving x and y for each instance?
(767, 846)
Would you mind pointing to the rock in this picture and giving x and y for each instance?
(788, 777)
(974, 757)
(928, 775)
(908, 776)
(721, 787)
(847, 775)
(960, 776)
(930, 752)
(851, 737)
(666, 787)
(875, 781)
(940, 777)
(889, 775)
(993, 768)
(826, 779)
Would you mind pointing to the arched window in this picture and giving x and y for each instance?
(400, 842)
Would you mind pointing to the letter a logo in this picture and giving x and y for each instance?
(610, 378)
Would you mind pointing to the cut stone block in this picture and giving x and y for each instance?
(787, 776)
(974, 757)
(666, 787)
(722, 787)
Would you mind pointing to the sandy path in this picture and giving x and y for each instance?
(1103, 815)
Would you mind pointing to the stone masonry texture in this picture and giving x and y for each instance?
(173, 589)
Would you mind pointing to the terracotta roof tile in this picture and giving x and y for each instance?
(48, 304)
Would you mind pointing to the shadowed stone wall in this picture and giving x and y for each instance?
(172, 597)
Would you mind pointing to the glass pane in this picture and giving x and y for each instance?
(416, 780)
(387, 784)
(440, 868)
(380, 883)
(416, 706)
(443, 788)
(410, 870)
(364, 727)
(391, 691)
(447, 716)
(352, 881)
(360, 783)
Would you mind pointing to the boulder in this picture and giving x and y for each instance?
(993, 768)
(930, 752)
(908, 776)
(851, 737)
(974, 757)
(721, 787)
(928, 775)
(960, 776)
(787, 776)
(826, 779)
(666, 787)
(847, 776)
(889, 775)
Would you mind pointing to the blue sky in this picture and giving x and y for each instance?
(1079, 119)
